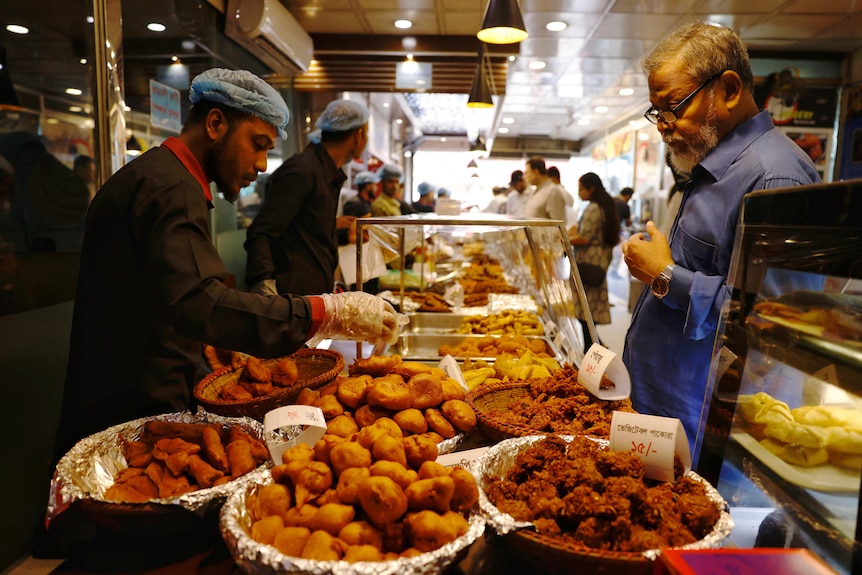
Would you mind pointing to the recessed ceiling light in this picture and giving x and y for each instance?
(643, 136)
(399, 121)
(408, 153)
(82, 61)
(175, 58)
(556, 26)
(626, 91)
(385, 104)
(583, 122)
(403, 24)
(75, 109)
(601, 109)
(537, 65)
(503, 130)
(443, 139)
(511, 58)
(155, 27)
(52, 121)
(90, 19)
(74, 91)
(508, 120)
(16, 29)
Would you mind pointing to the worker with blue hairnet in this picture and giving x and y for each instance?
(390, 202)
(292, 244)
(426, 201)
(151, 286)
(366, 191)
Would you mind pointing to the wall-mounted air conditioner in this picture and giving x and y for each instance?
(270, 32)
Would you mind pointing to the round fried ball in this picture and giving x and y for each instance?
(390, 426)
(452, 390)
(390, 392)
(312, 481)
(361, 533)
(357, 553)
(375, 366)
(382, 500)
(347, 489)
(459, 414)
(431, 469)
(389, 448)
(271, 499)
(425, 391)
(349, 454)
(429, 530)
(411, 420)
(291, 540)
(324, 445)
(342, 426)
(458, 521)
(419, 449)
(321, 546)
(332, 517)
(366, 414)
(307, 396)
(394, 471)
(330, 406)
(466, 490)
(352, 390)
(285, 373)
(369, 434)
(408, 369)
(265, 530)
(438, 423)
(300, 516)
(434, 493)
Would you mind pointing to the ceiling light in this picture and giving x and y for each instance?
(583, 122)
(537, 65)
(385, 104)
(90, 19)
(503, 130)
(626, 91)
(556, 26)
(508, 120)
(74, 91)
(403, 24)
(503, 23)
(601, 109)
(156, 27)
(399, 121)
(75, 109)
(473, 163)
(480, 92)
(82, 61)
(16, 29)
(443, 139)
(175, 59)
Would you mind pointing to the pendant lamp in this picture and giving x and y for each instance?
(503, 23)
(480, 92)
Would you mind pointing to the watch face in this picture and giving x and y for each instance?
(660, 286)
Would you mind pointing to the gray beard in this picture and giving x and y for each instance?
(698, 146)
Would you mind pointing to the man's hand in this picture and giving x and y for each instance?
(647, 257)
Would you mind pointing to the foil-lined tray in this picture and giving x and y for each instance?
(256, 558)
(426, 346)
(85, 473)
(501, 457)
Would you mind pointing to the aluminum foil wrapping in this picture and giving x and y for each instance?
(256, 558)
(501, 457)
(449, 445)
(88, 469)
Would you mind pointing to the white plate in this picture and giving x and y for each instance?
(820, 477)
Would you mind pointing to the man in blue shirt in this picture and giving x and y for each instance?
(701, 90)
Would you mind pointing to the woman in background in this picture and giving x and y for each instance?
(594, 239)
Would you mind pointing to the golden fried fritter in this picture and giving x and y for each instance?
(389, 448)
(408, 369)
(394, 471)
(466, 490)
(366, 414)
(312, 481)
(330, 406)
(332, 517)
(438, 423)
(291, 540)
(452, 390)
(265, 529)
(382, 500)
(425, 391)
(255, 371)
(361, 533)
(284, 373)
(349, 454)
(375, 366)
(419, 449)
(271, 499)
(352, 390)
(357, 553)
(434, 493)
(390, 426)
(459, 414)
(342, 425)
(307, 396)
(411, 420)
(347, 489)
(429, 530)
(321, 546)
(300, 516)
(390, 392)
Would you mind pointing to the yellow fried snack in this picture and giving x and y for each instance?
(389, 448)
(394, 471)
(369, 434)
(324, 445)
(349, 454)
(255, 371)
(307, 396)
(459, 414)
(206, 475)
(431, 469)
(347, 489)
(419, 449)
(390, 426)
(352, 390)
(300, 516)
(271, 499)
(375, 366)
(411, 420)
(425, 391)
(328, 496)
(429, 530)
(214, 450)
(458, 522)
(466, 490)
(390, 392)
(382, 500)
(314, 479)
(367, 414)
(361, 533)
(438, 423)
(357, 553)
(434, 493)
(408, 369)
(342, 426)
(265, 529)
(285, 373)
(329, 405)
(452, 390)
(321, 546)
(332, 517)
(291, 540)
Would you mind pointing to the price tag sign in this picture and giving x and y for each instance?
(600, 361)
(290, 425)
(450, 365)
(550, 329)
(654, 439)
(725, 358)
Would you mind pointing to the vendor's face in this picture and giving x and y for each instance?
(695, 132)
(239, 156)
(390, 187)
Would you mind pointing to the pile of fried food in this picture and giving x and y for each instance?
(807, 436)
(429, 301)
(422, 400)
(507, 322)
(484, 275)
(506, 368)
(493, 346)
(559, 404)
(376, 497)
(172, 458)
(588, 496)
(258, 380)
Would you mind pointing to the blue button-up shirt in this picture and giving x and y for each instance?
(670, 341)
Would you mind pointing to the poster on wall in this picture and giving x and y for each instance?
(793, 104)
(817, 143)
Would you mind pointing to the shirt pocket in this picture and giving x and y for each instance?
(698, 255)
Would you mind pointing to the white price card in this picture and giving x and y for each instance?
(600, 361)
(654, 439)
(450, 365)
(725, 358)
(290, 425)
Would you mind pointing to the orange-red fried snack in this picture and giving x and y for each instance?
(259, 451)
(307, 396)
(156, 429)
(459, 414)
(411, 420)
(214, 450)
(312, 481)
(174, 444)
(352, 390)
(284, 372)
(235, 392)
(332, 517)
(167, 484)
(239, 457)
(439, 424)
(205, 474)
(434, 493)
(254, 370)
(382, 500)
(291, 540)
(466, 490)
(177, 463)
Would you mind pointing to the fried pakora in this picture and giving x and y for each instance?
(459, 414)
(284, 373)
(351, 391)
(389, 391)
(382, 499)
(411, 420)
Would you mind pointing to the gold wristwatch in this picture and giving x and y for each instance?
(660, 284)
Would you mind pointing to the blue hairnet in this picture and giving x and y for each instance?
(425, 188)
(390, 172)
(342, 116)
(243, 91)
(442, 192)
(314, 137)
(363, 178)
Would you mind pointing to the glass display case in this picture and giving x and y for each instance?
(431, 252)
(781, 432)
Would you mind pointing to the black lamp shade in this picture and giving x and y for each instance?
(503, 23)
(480, 93)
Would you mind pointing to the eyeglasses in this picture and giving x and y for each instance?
(670, 116)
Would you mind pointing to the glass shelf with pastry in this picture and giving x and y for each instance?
(782, 424)
(483, 277)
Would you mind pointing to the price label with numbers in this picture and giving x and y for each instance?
(290, 425)
(600, 361)
(652, 438)
(450, 365)
(725, 358)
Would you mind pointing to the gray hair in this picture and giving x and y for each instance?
(703, 49)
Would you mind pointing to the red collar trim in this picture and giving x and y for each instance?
(185, 156)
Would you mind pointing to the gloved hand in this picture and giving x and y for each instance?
(359, 316)
(264, 287)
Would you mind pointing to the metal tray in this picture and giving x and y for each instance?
(421, 322)
(425, 346)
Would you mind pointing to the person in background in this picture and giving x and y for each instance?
(497, 205)
(388, 202)
(85, 168)
(426, 198)
(151, 285)
(701, 91)
(594, 239)
(571, 207)
(292, 244)
(360, 205)
(516, 198)
(548, 200)
(621, 202)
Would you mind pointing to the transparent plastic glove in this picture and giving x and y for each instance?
(359, 316)
(264, 287)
